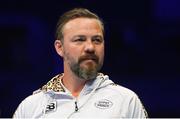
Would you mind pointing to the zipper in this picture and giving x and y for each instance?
(90, 95)
(76, 106)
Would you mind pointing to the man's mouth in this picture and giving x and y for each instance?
(93, 58)
(89, 60)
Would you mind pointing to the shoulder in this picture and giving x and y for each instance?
(112, 89)
(131, 99)
(33, 101)
(121, 91)
(35, 97)
(30, 105)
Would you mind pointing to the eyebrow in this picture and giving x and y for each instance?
(98, 36)
(78, 36)
(95, 36)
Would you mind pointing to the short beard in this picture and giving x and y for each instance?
(86, 73)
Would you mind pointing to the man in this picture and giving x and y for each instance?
(81, 91)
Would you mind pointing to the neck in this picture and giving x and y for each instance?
(73, 83)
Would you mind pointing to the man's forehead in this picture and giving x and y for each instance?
(82, 22)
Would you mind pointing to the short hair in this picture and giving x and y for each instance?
(73, 14)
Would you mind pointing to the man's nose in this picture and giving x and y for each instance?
(89, 46)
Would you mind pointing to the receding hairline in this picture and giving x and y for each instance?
(73, 14)
(98, 21)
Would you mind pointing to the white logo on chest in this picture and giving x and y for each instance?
(103, 104)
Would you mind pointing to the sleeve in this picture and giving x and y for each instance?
(31, 107)
(136, 108)
(20, 111)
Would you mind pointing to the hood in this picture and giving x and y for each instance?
(55, 85)
(101, 81)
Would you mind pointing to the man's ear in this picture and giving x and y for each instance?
(59, 47)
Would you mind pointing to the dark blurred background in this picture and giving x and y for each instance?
(142, 49)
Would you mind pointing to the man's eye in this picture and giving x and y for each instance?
(98, 40)
(79, 39)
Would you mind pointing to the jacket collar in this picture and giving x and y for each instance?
(55, 85)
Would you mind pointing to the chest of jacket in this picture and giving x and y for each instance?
(99, 105)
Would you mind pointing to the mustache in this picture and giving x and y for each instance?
(89, 57)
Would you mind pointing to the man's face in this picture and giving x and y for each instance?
(83, 47)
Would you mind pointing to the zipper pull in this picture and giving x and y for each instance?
(76, 106)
